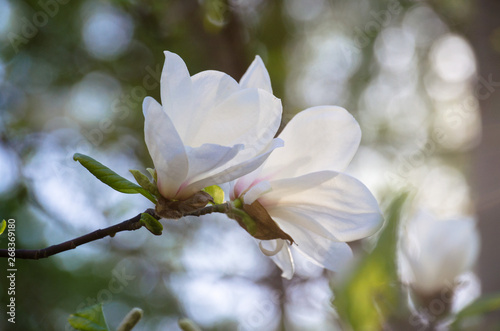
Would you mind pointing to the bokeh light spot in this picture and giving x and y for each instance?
(107, 31)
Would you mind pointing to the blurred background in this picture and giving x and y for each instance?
(421, 78)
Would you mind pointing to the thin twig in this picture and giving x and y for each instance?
(128, 225)
(222, 208)
(36, 254)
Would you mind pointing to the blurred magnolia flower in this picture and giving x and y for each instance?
(300, 196)
(209, 129)
(434, 253)
(468, 289)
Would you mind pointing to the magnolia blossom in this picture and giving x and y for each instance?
(316, 207)
(209, 129)
(434, 253)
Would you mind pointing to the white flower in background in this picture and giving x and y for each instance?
(434, 253)
(315, 207)
(209, 128)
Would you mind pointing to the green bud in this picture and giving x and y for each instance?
(152, 224)
(216, 192)
(3, 225)
(130, 320)
(187, 325)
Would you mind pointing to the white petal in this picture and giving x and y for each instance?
(201, 162)
(436, 252)
(326, 253)
(165, 147)
(250, 117)
(468, 290)
(316, 139)
(209, 89)
(243, 183)
(207, 157)
(332, 205)
(224, 175)
(176, 90)
(257, 76)
(274, 251)
(256, 191)
(283, 259)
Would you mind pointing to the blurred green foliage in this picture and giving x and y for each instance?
(89, 319)
(486, 304)
(371, 293)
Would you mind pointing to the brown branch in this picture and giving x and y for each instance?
(128, 225)
(222, 208)
(36, 254)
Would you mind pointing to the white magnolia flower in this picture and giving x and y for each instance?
(209, 129)
(434, 253)
(303, 190)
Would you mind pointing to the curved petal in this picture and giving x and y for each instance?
(330, 204)
(176, 90)
(267, 252)
(202, 160)
(165, 147)
(257, 76)
(283, 259)
(244, 182)
(316, 139)
(207, 157)
(328, 254)
(256, 191)
(468, 290)
(250, 117)
(230, 172)
(210, 88)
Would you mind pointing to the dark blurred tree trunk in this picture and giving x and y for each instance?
(487, 157)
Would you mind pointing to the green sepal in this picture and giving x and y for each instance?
(3, 225)
(89, 319)
(216, 193)
(152, 224)
(111, 178)
(144, 182)
(240, 215)
(248, 221)
(153, 174)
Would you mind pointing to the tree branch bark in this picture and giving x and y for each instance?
(36, 254)
(128, 225)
